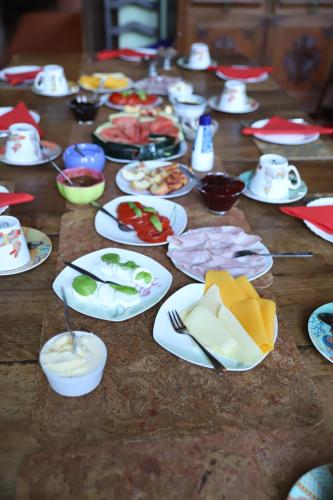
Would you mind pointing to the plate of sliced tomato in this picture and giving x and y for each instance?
(133, 98)
(152, 220)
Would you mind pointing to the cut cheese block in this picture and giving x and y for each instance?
(209, 331)
(268, 311)
(246, 350)
(229, 290)
(185, 312)
(212, 299)
(247, 287)
(248, 314)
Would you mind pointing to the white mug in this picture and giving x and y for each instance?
(52, 80)
(233, 97)
(23, 144)
(272, 177)
(199, 57)
(14, 251)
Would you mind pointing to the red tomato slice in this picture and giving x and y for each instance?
(126, 214)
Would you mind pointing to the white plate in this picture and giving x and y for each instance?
(257, 247)
(252, 105)
(293, 195)
(157, 88)
(161, 284)
(121, 107)
(125, 185)
(109, 91)
(182, 345)
(14, 70)
(315, 229)
(145, 51)
(182, 63)
(50, 150)
(107, 227)
(284, 139)
(3, 189)
(33, 114)
(182, 152)
(72, 89)
(259, 79)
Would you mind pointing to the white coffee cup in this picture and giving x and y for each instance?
(272, 177)
(23, 144)
(233, 96)
(14, 251)
(52, 80)
(199, 57)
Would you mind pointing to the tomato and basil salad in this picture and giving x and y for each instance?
(150, 226)
(132, 98)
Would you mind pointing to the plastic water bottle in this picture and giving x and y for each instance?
(203, 153)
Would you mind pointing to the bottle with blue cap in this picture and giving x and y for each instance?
(202, 158)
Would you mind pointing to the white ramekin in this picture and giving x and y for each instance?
(78, 385)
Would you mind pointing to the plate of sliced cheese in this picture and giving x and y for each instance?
(105, 82)
(226, 315)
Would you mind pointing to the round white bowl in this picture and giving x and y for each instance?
(191, 107)
(76, 385)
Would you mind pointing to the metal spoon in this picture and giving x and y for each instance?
(190, 174)
(78, 150)
(53, 163)
(66, 314)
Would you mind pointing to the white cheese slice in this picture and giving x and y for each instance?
(212, 299)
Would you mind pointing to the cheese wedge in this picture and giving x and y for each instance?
(268, 311)
(209, 331)
(229, 290)
(247, 288)
(212, 299)
(248, 314)
(246, 350)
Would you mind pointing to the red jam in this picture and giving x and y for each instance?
(220, 191)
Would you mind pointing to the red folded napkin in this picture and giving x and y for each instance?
(16, 78)
(322, 216)
(113, 54)
(277, 125)
(15, 198)
(248, 72)
(19, 114)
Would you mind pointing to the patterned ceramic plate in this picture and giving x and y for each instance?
(317, 484)
(321, 333)
(40, 247)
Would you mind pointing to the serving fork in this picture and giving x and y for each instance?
(245, 253)
(122, 227)
(179, 327)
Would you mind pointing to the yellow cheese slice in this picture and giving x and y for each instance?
(268, 311)
(229, 290)
(247, 288)
(209, 331)
(246, 350)
(248, 314)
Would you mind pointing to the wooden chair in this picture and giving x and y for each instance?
(324, 107)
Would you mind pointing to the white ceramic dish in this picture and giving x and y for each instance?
(72, 89)
(182, 345)
(293, 195)
(182, 63)
(3, 189)
(49, 150)
(252, 105)
(190, 108)
(284, 139)
(321, 334)
(125, 185)
(157, 85)
(14, 70)
(33, 114)
(121, 107)
(144, 51)
(315, 229)
(161, 284)
(259, 79)
(108, 91)
(108, 228)
(182, 152)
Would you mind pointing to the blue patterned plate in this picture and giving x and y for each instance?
(317, 484)
(321, 333)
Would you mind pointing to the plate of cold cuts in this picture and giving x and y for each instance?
(198, 250)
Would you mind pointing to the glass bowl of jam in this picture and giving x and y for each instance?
(220, 191)
(85, 108)
(88, 185)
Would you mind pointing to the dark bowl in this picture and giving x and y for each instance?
(220, 191)
(84, 108)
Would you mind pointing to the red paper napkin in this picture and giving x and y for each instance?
(15, 198)
(113, 54)
(19, 114)
(277, 125)
(234, 73)
(16, 78)
(322, 216)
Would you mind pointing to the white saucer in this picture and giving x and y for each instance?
(182, 62)
(3, 208)
(252, 105)
(259, 79)
(294, 194)
(284, 139)
(315, 229)
(33, 114)
(73, 89)
(13, 70)
(50, 150)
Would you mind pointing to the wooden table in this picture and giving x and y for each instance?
(299, 285)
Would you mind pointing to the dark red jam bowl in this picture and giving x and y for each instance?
(220, 191)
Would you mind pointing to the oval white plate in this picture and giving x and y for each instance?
(92, 307)
(125, 185)
(182, 152)
(34, 115)
(253, 105)
(14, 70)
(259, 79)
(182, 63)
(182, 345)
(107, 227)
(72, 89)
(51, 151)
(284, 139)
(315, 229)
(121, 107)
(108, 91)
(3, 189)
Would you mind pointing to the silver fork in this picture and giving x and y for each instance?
(122, 227)
(179, 327)
(245, 253)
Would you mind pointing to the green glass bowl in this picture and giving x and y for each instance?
(81, 195)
